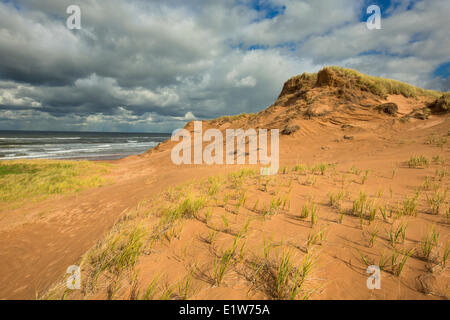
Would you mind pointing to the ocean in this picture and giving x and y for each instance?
(75, 145)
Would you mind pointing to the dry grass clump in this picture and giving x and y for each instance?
(364, 208)
(234, 117)
(383, 87)
(224, 261)
(306, 76)
(289, 278)
(429, 243)
(418, 161)
(394, 264)
(306, 79)
(442, 104)
(436, 201)
(301, 82)
(336, 198)
(282, 278)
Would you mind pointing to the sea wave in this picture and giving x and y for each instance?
(40, 138)
(74, 147)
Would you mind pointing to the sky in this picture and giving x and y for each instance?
(152, 66)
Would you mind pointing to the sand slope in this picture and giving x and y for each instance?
(341, 125)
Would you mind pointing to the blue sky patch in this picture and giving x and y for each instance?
(443, 70)
(267, 9)
(387, 7)
(14, 3)
(258, 47)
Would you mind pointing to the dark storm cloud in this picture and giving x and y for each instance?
(153, 65)
(116, 41)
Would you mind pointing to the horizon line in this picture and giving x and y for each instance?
(68, 131)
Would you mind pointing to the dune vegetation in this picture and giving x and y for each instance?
(23, 180)
(224, 232)
(383, 87)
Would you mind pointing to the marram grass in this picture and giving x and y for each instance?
(383, 87)
(380, 86)
(37, 179)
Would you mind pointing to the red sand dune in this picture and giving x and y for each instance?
(332, 118)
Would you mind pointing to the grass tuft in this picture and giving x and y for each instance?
(418, 161)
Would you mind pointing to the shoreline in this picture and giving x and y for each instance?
(76, 145)
(94, 159)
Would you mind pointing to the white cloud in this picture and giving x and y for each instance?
(189, 116)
